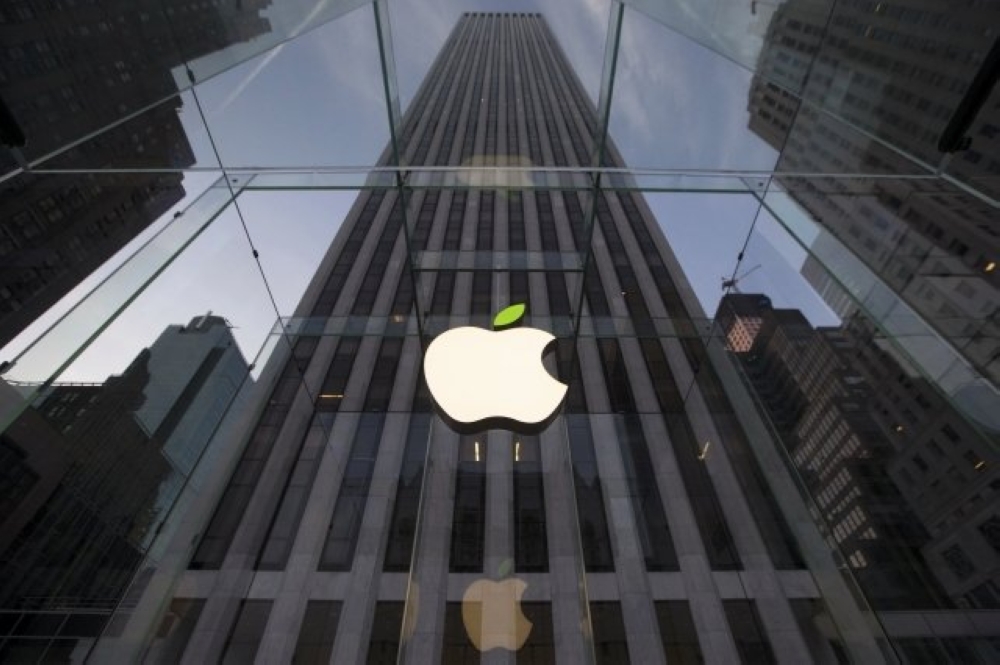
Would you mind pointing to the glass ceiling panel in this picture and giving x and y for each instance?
(290, 254)
(678, 105)
(167, 136)
(707, 234)
(314, 102)
(248, 29)
(46, 349)
(731, 28)
(96, 69)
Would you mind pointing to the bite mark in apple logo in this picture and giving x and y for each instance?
(482, 379)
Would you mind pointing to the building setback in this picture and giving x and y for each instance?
(356, 519)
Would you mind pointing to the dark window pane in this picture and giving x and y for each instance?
(458, 649)
(402, 528)
(610, 644)
(469, 517)
(383, 647)
(654, 534)
(597, 552)
(530, 546)
(175, 630)
(319, 627)
(677, 631)
(748, 632)
(342, 535)
(539, 648)
(244, 639)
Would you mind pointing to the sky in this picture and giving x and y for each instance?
(317, 101)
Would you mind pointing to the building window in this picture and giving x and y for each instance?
(469, 516)
(610, 642)
(678, 632)
(383, 647)
(531, 552)
(991, 531)
(319, 627)
(342, 535)
(748, 632)
(248, 629)
(958, 562)
(402, 528)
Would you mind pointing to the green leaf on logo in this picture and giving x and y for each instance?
(505, 568)
(508, 316)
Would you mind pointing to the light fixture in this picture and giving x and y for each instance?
(899, 428)
(332, 395)
(704, 450)
(990, 267)
(477, 451)
(517, 451)
(980, 464)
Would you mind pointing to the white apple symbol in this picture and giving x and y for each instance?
(476, 375)
(491, 612)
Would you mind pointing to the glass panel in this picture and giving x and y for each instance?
(692, 114)
(825, 446)
(115, 287)
(276, 109)
(70, 71)
(252, 28)
(167, 136)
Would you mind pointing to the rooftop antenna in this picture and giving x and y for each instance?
(733, 283)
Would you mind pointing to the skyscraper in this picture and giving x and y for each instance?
(96, 87)
(872, 87)
(898, 475)
(358, 526)
(92, 472)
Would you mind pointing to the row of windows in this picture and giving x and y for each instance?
(317, 632)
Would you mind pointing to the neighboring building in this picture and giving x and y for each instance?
(638, 518)
(873, 75)
(72, 73)
(90, 473)
(907, 488)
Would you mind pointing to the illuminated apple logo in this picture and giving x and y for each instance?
(491, 612)
(483, 379)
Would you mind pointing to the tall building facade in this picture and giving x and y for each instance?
(871, 87)
(358, 526)
(881, 450)
(904, 484)
(97, 87)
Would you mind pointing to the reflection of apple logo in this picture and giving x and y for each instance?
(485, 379)
(491, 612)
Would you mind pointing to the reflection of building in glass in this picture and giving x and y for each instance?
(873, 74)
(93, 471)
(906, 487)
(356, 521)
(71, 70)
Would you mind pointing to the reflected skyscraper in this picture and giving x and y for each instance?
(91, 472)
(902, 480)
(871, 87)
(72, 70)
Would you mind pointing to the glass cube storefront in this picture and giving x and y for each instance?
(757, 247)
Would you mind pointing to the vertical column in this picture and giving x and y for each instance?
(427, 591)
